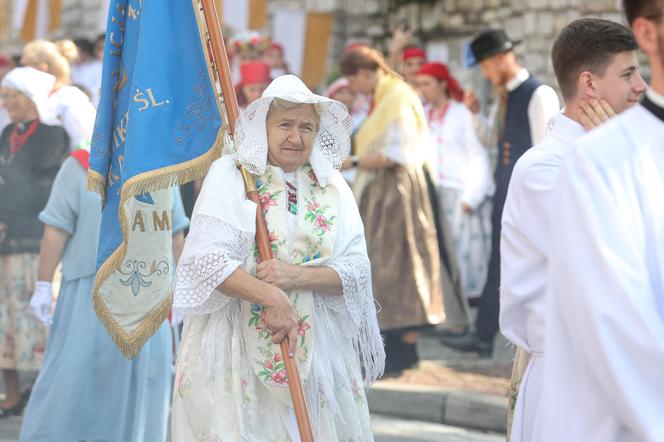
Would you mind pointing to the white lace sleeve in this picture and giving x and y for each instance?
(213, 250)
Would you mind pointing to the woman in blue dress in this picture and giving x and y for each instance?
(87, 390)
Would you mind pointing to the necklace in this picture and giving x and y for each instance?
(438, 115)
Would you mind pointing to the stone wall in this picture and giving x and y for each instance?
(449, 24)
(82, 18)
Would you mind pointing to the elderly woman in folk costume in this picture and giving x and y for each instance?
(72, 107)
(391, 147)
(230, 382)
(32, 148)
(462, 174)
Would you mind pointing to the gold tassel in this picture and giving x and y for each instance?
(130, 345)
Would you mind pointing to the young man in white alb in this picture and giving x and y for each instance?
(597, 71)
(605, 318)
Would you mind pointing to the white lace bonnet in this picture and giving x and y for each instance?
(332, 143)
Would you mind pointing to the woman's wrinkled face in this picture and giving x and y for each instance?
(290, 136)
(19, 107)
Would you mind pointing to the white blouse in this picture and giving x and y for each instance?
(458, 160)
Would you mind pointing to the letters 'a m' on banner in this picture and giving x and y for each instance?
(159, 124)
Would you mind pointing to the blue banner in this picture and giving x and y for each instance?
(158, 125)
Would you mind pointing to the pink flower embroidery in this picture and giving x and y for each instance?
(272, 237)
(313, 205)
(268, 365)
(321, 222)
(266, 201)
(302, 328)
(278, 377)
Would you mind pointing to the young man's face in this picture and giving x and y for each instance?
(621, 85)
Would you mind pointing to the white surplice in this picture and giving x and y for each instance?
(605, 317)
(526, 222)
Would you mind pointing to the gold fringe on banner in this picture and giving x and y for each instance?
(131, 345)
(97, 184)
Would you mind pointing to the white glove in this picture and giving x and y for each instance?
(40, 303)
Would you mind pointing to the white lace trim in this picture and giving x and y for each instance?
(355, 275)
(214, 249)
(332, 143)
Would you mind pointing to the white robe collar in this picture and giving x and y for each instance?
(565, 129)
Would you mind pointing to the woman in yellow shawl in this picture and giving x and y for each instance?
(391, 147)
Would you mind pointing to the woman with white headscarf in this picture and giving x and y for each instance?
(230, 382)
(31, 152)
(72, 107)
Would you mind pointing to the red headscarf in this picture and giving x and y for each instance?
(414, 52)
(440, 72)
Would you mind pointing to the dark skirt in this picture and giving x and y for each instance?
(403, 249)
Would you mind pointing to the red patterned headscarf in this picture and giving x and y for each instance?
(442, 73)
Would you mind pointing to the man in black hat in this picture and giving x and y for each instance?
(518, 121)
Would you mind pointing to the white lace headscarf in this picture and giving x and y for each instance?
(36, 85)
(332, 142)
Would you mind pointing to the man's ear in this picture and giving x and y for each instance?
(586, 85)
(646, 35)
